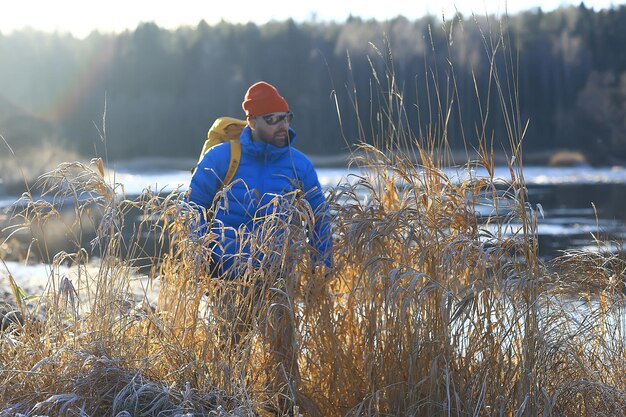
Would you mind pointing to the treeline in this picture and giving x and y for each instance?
(159, 90)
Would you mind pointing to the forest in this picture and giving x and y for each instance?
(155, 92)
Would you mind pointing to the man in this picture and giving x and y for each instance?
(269, 167)
(271, 175)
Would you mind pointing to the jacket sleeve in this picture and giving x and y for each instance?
(322, 233)
(207, 179)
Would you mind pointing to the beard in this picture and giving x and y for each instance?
(280, 138)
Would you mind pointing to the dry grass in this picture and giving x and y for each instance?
(429, 309)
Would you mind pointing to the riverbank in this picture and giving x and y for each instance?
(427, 298)
(36, 280)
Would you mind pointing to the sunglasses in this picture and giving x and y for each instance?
(272, 119)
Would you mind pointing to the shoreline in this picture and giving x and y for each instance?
(37, 279)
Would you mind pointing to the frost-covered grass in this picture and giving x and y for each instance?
(426, 310)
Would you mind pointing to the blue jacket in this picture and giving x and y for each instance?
(265, 172)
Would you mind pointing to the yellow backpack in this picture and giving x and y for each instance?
(225, 129)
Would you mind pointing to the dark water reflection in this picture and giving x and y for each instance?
(570, 218)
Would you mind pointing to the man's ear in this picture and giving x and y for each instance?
(252, 122)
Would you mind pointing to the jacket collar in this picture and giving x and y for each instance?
(263, 149)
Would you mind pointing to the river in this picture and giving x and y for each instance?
(566, 195)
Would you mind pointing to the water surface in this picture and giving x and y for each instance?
(577, 203)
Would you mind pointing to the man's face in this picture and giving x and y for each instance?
(272, 128)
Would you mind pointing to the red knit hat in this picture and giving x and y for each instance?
(263, 98)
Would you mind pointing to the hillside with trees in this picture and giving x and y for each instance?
(160, 90)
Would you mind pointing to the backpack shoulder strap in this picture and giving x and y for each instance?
(235, 158)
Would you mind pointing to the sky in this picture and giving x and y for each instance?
(81, 17)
